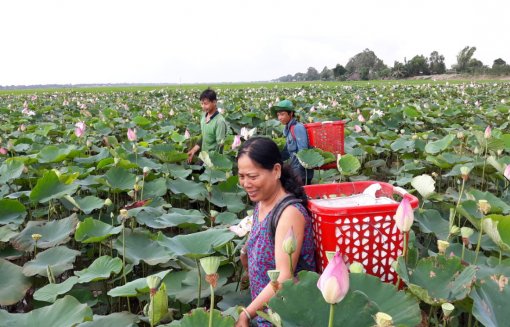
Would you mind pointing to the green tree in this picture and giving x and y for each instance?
(366, 64)
(398, 70)
(418, 65)
(326, 74)
(312, 74)
(339, 72)
(464, 58)
(436, 63)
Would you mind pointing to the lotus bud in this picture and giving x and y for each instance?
(383, 320)
(488, 132)
(434, 174)
(116, 161)
(506, 173)
(266, 117)
(131, 134)
(356, 268)
(334, 281)
(89, 143)
(447, 309)
(460, 135)
(454, 230)
(36, 237)
(131, 194)
(466, 233)
(146, 170)
(213, 213)
(148, 112)
(153, 282)
(330, 255)
(442, 246)
(476, 150)
(484, 206)
(404, 216)
(124, 215)
(290, 243)
(108, 202)
(464, 171)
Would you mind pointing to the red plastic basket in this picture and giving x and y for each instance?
(327, 136)
(367, 234)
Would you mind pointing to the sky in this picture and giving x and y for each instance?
(196, 41)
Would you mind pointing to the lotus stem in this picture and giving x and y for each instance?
(331, 315)
(484, 162)
(479, 241)
(291, 267)
(458, 201)
(199, 282)
(240, 277)
(462, 253)
(124, 261)
(404, 250)
(212, 306)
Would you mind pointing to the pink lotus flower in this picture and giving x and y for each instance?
(80, 129)
(160, 116)
(488, 132)
(237, 142)
(361, 118)
(507, 172)
(404, 216)
(357, 128)
(131, 134)
(334, 281)
(187, 135)
(3, 150)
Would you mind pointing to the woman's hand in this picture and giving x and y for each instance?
(242, 321)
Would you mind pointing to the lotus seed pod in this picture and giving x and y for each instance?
(36, 237)
(466, 232)
(146, 170)
(356, 268)
(383, 320)
(213, 213)
(210, 264)
(108, 202)
(447, 309)
(464, 171)
(124, 214)
(484, 206)
(442, 246)
(273, 274)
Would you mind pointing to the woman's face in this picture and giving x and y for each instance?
(259, 183)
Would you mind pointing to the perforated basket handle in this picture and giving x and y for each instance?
(403, 193)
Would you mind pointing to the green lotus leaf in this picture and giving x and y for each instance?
(10, 169)
(50, 187)
(197, 245)
(44, 128)
(135, 287)
(497, 205)
(148, 216)
(141, 245)
(431, 221)
(181, 217)
(53, 153)
(154, 188)
(227, 218)
(59, 258)
(50, 292)
(103, 154)
(195, 191)
(176, 170)
(490, 295)
(199, 317)
(434, 147)
(232, 200)
(100, 269)
(311, 310)
(52, 233)
(438, 279)
(404, 144)
(86, 204)
(502, 237)
(64, 312)
(168, 154)
(7, 232)
(141, 121)
(120, 179)
(13, 284)
(12, 211)
(220, 161)
(213, 176)
(91, 231)
(117, 319)
(310, 158)
(183, 285)
(348, 164)
(402, 307)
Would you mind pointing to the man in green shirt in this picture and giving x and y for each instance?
(212, 125)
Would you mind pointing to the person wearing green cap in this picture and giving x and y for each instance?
(296, 138)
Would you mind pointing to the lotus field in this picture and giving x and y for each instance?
(103, 223)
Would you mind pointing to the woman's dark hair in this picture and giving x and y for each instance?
(208, 94)
(266, 154)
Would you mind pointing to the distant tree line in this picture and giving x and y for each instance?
(367, 66)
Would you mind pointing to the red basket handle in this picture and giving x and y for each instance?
(403, 193)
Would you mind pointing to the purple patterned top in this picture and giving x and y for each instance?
(261, 254)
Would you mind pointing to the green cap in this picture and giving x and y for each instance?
(284, 105)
